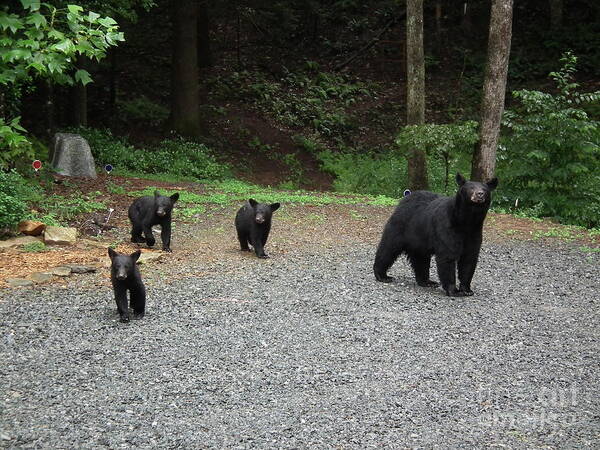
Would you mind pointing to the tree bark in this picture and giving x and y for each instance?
(185, 99)
(415, 90)
(79, 105)
(494, 90)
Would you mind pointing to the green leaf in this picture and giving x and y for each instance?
(33, 5)
(83, 77)
(74, 9)
(37, 19)
(10, 21)
(92, 16)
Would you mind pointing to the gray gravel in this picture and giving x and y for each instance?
(308, 350)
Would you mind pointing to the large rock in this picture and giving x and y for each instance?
(31, 227)
(60, 235)
(72, 156)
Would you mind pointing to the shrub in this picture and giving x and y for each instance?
(15, 192)
(551, 157)
(172, 156)
(366, 173)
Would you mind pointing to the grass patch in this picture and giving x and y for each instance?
(230, 191)
(34, 247)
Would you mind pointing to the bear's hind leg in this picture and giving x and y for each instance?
(421, 264)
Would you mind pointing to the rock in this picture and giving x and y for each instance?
(61, 271)
(149, 257)
(80, 268)
(18, 282)
(19, 241)
(41, 277)
(60, 235)
(72, 156)
(31, 227)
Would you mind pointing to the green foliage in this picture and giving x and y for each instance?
(176, 157)
(366, 173)
(41, 40)
(13, 145)
(15, 192)
(551, 156)
(446, 144)
(34, 247)
(37, 40)
(142, 109)
(65, 209)
(115, 188)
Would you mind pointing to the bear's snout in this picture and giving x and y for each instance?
(121, 275)
(478, 197)
(260, 219)
(160, 212)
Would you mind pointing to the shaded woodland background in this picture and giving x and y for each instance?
(312, 94)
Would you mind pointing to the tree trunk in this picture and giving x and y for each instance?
(79, 98)
(113, 86)
(494, 90)
(185, 101)
(415, 90)
(205, 57)
(556, 14)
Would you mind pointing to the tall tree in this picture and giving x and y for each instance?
(185, 88)
(494, 90)
(415, 90)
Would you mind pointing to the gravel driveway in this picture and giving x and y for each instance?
(306, 349)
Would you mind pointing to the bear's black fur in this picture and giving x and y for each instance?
(125, 276)
(253, 223)
(426, 224)
(151, 210)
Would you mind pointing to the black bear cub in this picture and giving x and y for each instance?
(151, 210)
(426, 224)
(125, 276)
(253, 223)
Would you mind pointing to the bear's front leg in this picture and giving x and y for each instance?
(165, 235)
(121, 300)
(138, 299)
(150, 241)
(466, 268)
(446, 268)
(257, 243)
(136, 234)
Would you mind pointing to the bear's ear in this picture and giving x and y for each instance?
(253, 202)
(174, 197)
(111, 253)
(460, 180)
(135, 255)
(492, 184)
(156, 193)
(275, 206)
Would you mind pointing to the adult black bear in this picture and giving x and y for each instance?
(426, 224)
(253, 223)
(125, 276)
(151, 210)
